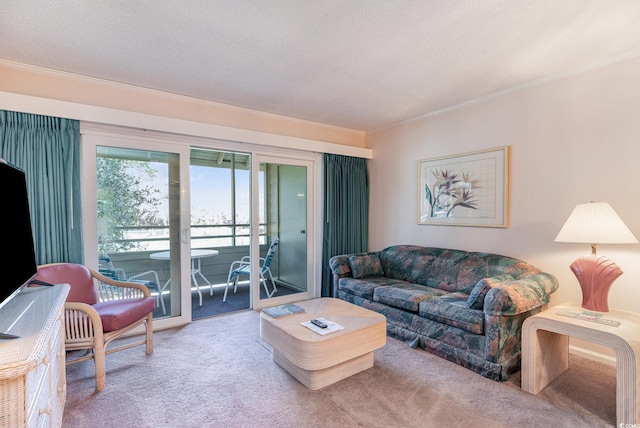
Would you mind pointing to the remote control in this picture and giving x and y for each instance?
(318, 323)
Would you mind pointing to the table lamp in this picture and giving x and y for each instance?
(595, 223)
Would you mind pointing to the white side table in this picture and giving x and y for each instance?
(545, 352)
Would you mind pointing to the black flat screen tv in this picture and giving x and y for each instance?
(18, 260)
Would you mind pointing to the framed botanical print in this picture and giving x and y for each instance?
(469, 189)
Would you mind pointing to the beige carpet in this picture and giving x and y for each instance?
(217, 372)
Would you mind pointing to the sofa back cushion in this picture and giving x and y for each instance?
(446, 269)
(365, 265)
(408, 262)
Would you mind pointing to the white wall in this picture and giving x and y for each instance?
(573, 140)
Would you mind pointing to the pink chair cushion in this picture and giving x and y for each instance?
(77, 276)
(116, 314)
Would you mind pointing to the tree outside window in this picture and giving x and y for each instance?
(126, 199)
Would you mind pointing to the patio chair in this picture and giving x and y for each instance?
(107, 268)
(97, 311)
(243, 266)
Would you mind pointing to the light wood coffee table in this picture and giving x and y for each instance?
(319, 360)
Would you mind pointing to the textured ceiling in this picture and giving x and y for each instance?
(360, 64)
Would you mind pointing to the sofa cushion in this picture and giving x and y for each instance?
(405, 295)
(367, 265)
(364, 287)
(477, 295)
(452, 309)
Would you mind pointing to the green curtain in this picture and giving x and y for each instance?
(346, 211)
(47, 149)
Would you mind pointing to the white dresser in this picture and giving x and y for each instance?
(33, 386)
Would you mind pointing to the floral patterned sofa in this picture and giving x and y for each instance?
(467, 307)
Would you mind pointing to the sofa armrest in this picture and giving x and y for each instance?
(340, 268)
(521, 295)
(340, 265)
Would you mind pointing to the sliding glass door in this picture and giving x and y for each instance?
(138, 217)
(138, 221)
(210, 227)
(221, 223)
(253, 212)
(286, 276)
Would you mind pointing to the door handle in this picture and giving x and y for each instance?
(303, 231)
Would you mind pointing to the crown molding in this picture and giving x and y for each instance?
(633, 53)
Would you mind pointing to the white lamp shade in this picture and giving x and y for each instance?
(595, 223)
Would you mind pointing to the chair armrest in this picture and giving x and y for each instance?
(235, 265)
(118, 289)
(81, 323)
(153, 273)
(245, 260)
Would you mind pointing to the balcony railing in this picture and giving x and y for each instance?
(157, 238)
(231, 241)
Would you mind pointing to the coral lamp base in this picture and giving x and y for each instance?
(596, 275)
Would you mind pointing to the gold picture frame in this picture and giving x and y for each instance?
(469, 189)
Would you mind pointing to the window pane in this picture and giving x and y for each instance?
(221, 199)
(138, 197)
(210, 195)
(133, 203)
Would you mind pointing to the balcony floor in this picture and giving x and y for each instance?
(213, 305)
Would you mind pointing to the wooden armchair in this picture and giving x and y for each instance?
(98, 310)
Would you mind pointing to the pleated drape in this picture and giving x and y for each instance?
(346, 211)
(47, 149)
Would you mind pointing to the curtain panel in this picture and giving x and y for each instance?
(346, 211)
(47, 149)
